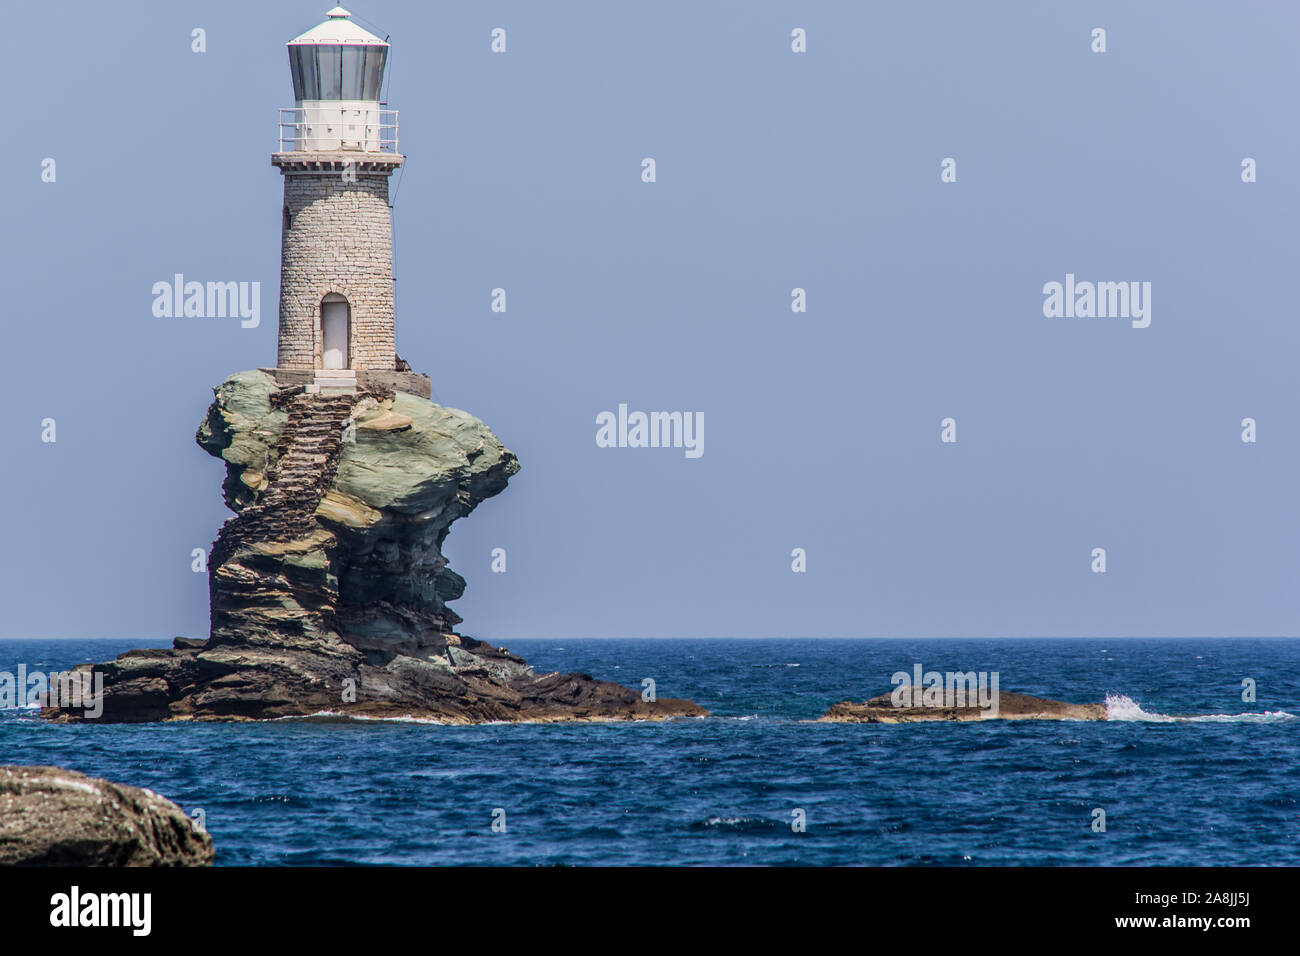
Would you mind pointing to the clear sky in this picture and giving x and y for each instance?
(775, 170)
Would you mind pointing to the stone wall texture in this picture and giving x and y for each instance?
(337, 237)
(412, 383)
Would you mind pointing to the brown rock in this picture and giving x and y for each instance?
(881, 710)
(55, 817)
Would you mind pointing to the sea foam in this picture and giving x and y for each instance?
(1122, 708)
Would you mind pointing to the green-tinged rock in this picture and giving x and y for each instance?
(242, 428)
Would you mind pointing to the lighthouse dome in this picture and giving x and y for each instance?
(338, 29)
(337, 60)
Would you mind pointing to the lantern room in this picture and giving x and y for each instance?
(338, 73)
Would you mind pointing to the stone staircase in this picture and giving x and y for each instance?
(307, 459)
(333, 381)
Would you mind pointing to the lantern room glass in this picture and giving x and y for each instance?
(334, 72)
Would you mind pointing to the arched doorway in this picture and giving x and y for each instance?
(335, 323)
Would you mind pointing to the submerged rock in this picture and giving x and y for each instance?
(55, 817)
(329, 588)
(882, 710)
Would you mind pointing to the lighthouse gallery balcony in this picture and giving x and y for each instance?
(327, 128)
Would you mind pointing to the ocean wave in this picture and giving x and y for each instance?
(740, 824)
(1122, 708)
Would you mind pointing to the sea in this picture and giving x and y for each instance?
(1187, 771)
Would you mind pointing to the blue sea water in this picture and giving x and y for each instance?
(1222, 788)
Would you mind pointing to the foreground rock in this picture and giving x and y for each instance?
(881, 710)
(55, 817)
(329, 588)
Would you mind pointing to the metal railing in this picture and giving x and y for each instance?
(334, 128)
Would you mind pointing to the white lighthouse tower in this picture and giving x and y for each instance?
(338, 149)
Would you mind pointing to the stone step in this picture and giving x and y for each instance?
(309, 451)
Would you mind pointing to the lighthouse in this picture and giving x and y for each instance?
(337, 153)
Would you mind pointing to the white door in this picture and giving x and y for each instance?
(334, 326)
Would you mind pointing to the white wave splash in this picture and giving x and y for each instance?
(339, 715)
(1120, 707)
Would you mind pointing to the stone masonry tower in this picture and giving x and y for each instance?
(338, 148)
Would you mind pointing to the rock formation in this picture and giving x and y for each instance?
(881, 710)
(55, 817)
(329, 588)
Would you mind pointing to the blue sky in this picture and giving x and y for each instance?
(775, 170)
